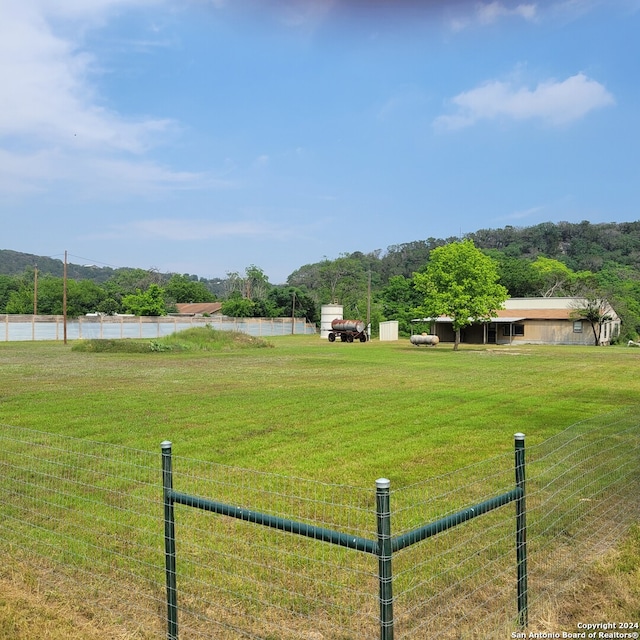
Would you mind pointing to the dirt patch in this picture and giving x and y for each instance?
(26, 613)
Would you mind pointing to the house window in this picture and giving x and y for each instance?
(577, 326)
(512, 330)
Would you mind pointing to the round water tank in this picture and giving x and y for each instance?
(329, 313)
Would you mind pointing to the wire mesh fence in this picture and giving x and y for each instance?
(85, 521)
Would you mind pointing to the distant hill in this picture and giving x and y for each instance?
(582, 246)
(13, 263)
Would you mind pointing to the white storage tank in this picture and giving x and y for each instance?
(424, 338)
(388, 331)
(329, 313)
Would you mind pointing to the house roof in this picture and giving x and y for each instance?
(198, 308)
(535, 314)
(504, 316)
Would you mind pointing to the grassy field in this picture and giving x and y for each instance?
(345, 413)
(338, 413)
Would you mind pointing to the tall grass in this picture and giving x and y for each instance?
(195, 339)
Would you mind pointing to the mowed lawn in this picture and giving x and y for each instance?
(341, 413)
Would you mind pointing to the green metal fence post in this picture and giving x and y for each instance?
(385, 576)
(521, 531)
(169, 542)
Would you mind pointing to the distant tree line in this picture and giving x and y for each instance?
(596, 261)
(149, 293)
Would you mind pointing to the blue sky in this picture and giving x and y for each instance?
(204, 136)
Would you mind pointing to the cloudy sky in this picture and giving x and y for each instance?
(203, 136)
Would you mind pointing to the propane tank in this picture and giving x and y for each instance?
(424, 339)
(347, 325)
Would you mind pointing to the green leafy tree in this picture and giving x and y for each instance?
(308, 278)
(252, 285)
(339, 277)
(236, 306)
(517, 275)
(126, 282)
(621, 286)
(404, 259)
(399, 301)
(182, 288)
(21, 301)
(131, 280)
(345, 280)
(264, 308)
(234, 284)
(285, 298)
(596, 311)
(557, 279)
(50, 293)
(145, 303)
(461, 282)
(109, 306)
(46, 298)
(256, 283)
(83, 296)
(555, 276)
(8, 285)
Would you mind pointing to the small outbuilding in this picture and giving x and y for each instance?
(388, 331)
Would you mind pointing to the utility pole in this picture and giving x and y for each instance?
(64, 299)
(35, 290)
(293, 314)
(369, 306)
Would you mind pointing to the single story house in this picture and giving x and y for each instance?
(198, 308)
(532, 321)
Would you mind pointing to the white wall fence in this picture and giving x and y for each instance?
(14, 328)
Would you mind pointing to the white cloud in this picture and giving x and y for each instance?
(493, 11)
(88, 174)
(486, 13)
(47, 94)
(148, 178)
(553, 102)
(54, 127)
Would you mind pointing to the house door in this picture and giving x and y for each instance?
(491, 334)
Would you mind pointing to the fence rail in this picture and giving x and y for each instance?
(85, 522)
(383, 548)
(15, 328)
